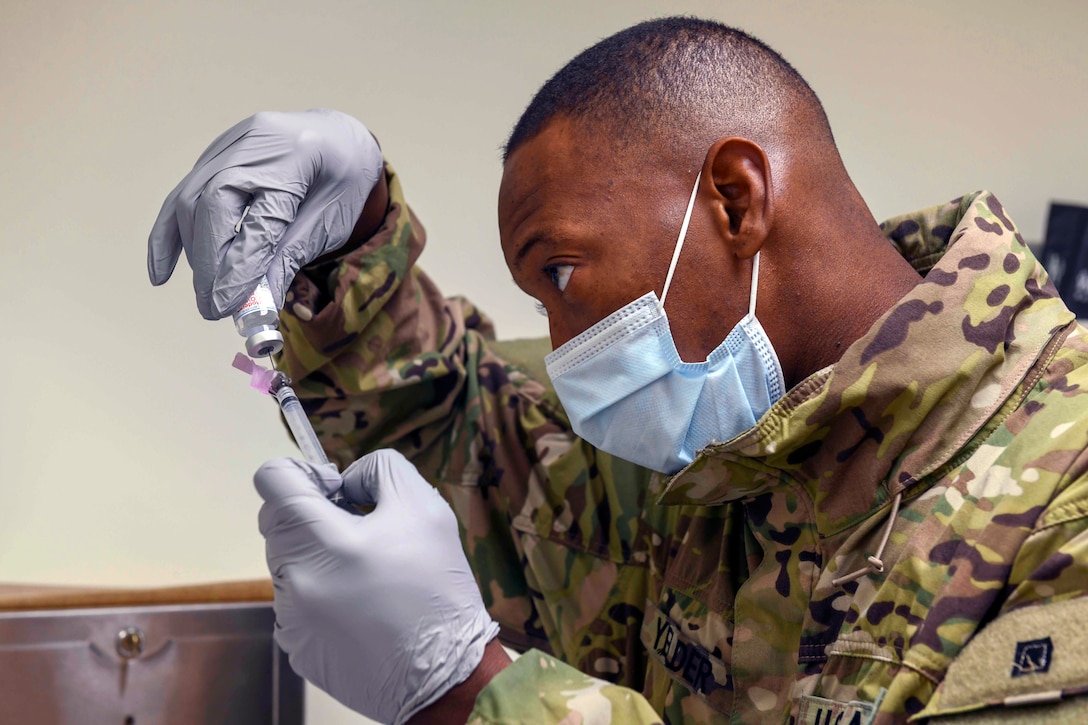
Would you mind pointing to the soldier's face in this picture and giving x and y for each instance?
(585, 232)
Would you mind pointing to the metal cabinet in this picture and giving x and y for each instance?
(146, 665)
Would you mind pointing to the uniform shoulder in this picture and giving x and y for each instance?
(1028, 665)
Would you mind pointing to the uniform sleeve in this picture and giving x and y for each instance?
(1030, 662)
(380, 358)
(539, 689)
(1052, 564)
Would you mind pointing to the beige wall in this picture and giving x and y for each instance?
(126, 440)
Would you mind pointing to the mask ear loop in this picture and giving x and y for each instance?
(680, 245)
(755, 286)
(680, 239)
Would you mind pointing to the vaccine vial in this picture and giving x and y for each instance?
(258, 321)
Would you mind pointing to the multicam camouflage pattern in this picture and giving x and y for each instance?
(558, 691)
(711, 594)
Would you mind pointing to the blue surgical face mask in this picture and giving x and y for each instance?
(627, 392)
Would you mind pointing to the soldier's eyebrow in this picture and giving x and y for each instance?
(529, 244)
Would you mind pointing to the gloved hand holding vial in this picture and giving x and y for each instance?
(304, 177)
(326, 157)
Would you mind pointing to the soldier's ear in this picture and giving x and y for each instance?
(743, 202)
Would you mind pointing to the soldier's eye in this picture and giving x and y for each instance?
(559, 274)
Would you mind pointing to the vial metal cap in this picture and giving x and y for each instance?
(264, 343)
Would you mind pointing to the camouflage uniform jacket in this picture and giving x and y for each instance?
(716, 596)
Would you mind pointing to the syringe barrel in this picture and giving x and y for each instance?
(300, 426)
(305, 436)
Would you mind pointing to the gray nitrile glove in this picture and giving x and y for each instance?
(305, 177)
(380, 611)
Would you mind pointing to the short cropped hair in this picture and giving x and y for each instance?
(678, 78)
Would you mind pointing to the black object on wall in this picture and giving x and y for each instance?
(1065, 254)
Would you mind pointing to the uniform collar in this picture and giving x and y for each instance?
(908, 396)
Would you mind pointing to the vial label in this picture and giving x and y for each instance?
(259, 301)
(257, 321)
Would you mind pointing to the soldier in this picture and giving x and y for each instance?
(867, 503)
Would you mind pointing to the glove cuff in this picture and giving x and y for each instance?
(446, 678)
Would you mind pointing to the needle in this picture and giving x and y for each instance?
(271, 361)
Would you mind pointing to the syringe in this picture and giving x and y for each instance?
(302, 431)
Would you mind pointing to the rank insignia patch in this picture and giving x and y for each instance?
(1032, 657)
